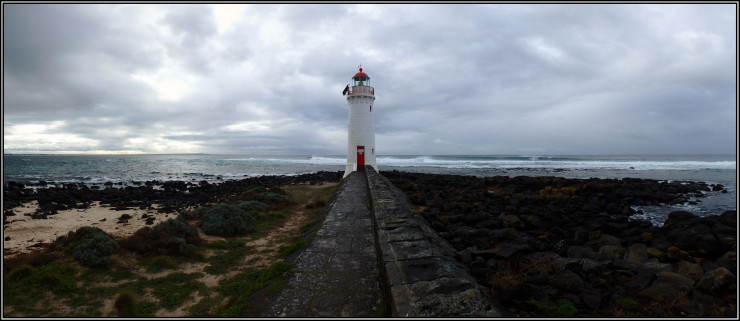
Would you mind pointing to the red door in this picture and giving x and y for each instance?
(360, 155)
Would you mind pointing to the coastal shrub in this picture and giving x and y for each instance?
(626, 302)
(94, 248)
(159, 263)
(258, 189)
(195, 214)
(170, 237)
(227, 220)
(20, 273)
(564, 308)
(271, 197)
(126, 304)
(252, 206)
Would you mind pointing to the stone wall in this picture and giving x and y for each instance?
(422, 276)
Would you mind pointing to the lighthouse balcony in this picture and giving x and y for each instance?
(362, 90)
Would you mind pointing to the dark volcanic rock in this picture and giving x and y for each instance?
(173, 196)
(544, 239)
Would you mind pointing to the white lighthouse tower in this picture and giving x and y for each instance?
(361, 134)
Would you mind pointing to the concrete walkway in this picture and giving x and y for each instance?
(337, 274)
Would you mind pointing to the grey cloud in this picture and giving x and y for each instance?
(469, 78)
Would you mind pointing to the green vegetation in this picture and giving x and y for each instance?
(271, 197)
(158, 263)
(169, 237)
(564, 308)
(126, 304)
(233, 251)
(172, 290)
(36, 286)
(239, 287)
(286, 250)
(626, 302)
(252, 206)
(227, 220)
(93, 248)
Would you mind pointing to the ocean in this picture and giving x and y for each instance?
(126, 169)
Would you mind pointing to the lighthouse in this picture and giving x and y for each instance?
(361, 134)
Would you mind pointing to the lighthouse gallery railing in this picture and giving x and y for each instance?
(362, 90)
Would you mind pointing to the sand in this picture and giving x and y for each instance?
(24, 232)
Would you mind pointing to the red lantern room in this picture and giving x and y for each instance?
(361, 84)
(361, 79)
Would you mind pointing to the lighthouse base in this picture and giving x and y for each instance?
(354, 168)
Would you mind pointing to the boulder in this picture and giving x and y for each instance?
(639, 282)
(568, 281)
(512, 221)
(604, 239)
(691, 270)
(667, 287)
(675, 254)
(654, 253)
(578, 252)
(718, 281)
(610, 252)
(636, 253)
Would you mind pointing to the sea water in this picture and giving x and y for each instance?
(127, 169)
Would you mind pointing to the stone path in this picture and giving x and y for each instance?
(337, 274)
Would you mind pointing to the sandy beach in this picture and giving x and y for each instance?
(23, 233)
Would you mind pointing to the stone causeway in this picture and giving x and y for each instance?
(374, 257)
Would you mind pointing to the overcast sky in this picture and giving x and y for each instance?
(449, 79)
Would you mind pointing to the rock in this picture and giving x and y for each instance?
(591, 298)
(639, 282)
(679, 219)
(667, 287)
(593, 235)
(537, 279)
(507, 249)
(728, 218)
(636, 253)
(610, 252)
(465, 255)
(604, 239)
(718, 281)
(728, 261)
(578, 252)
(125, 217)
(646, 236)
(562, 263)
(512, 221)
(708, 246)
(479, 267)
(591, 265)
(655, 253)
(657, 266)
(568, 281)
(690, 270)
(675, 254)
(580, 237)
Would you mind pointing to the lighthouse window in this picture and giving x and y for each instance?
(371, 108)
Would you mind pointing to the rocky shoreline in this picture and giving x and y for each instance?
(557, 247)
(545, 246)
(171, 196)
